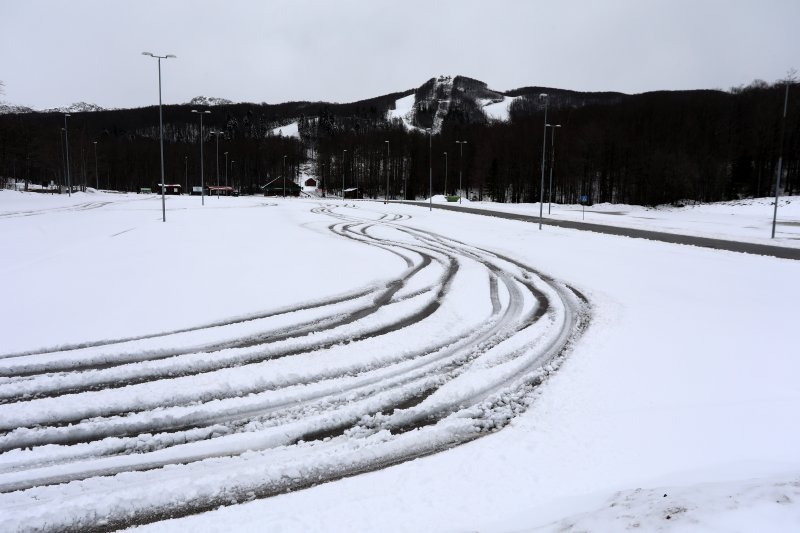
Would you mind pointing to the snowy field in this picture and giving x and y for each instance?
(467, 373)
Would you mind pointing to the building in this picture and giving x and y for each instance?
(170, 188)
(220, 190)
(276, 188)
(352, 192)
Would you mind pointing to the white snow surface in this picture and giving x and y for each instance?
(678, 401)
(290, 130)
(404, 110)
(498, 110)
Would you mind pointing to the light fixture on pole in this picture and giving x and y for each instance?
(387, 171)
(552, 162)
(544, 97)
(96, 175)
(202, 169)
(161, 132)
(284, 176)
(460, 160)
(66, 140)
(343, 152)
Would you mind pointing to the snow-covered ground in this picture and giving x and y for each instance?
(290, 130)
(404, 110)
(498, 110)
(674, 409)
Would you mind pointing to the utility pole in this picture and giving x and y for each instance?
(789, 79)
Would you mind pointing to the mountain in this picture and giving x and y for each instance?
(77, 107)
(459, 99)
(208, 101)
(11, 109)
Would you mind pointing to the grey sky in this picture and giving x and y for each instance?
(53, 53)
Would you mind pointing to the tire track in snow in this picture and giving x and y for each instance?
(394, 406)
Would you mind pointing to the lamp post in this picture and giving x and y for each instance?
(216, 133)
(789, 79)
(430, 170)
(544, 97)
(63, 161)
(552, 162)
(388, 163)
(226, 169)
(460, 160)
(233, 178)
(202, 169)
(161, 132)
(66, 141)
(96, 175)
(186, 171)
(445, 174)
(343, 152)
(284, 176)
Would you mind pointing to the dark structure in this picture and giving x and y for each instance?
(170, 188)
(220, 190)
(276, 187)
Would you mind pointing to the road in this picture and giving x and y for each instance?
(704, 242)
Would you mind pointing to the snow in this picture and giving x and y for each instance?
(404, 110)
(290, 130)
(683, 383)
(498, 110)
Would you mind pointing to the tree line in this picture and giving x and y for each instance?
(646, 149)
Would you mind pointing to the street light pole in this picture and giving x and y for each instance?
(343, 152)
(780, 156)
(202, 169)
(234, 178)
(63, 161)
(460, 161)
(552, 162)
(161, 132)
(226, 169)
(216, 133)
(284, 176)
(387, 171)
(445, 174)
(186, 172)
(430, 170)
(544, 148)
(96, 175)
(66, 140)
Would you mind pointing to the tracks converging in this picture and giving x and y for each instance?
(133, 430)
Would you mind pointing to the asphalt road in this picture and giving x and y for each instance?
(705, 242)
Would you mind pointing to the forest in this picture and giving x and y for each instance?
(646, 149)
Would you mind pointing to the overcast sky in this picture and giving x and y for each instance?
(56, 52)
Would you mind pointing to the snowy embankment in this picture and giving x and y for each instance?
(748, 220)
(444, 343)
